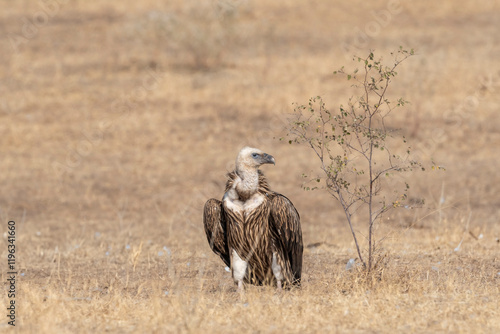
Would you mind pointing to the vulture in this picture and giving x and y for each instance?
(254, 230)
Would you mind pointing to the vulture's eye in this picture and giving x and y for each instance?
(255, 155)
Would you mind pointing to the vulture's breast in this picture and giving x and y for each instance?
(244, 209)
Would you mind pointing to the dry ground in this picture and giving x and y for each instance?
(118, 120)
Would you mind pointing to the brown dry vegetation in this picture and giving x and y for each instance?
(106, 179)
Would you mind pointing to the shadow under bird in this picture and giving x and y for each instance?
(254, 230)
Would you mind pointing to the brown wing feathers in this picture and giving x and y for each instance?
(215, 228)
(286, 223)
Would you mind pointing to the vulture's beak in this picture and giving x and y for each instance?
(268, 159)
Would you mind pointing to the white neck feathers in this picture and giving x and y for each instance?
(249, 183)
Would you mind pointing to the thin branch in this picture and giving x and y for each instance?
(348, 216)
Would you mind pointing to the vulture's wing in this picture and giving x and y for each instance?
(286, 221)
(215, 228)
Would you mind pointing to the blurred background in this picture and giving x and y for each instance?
(118, 120)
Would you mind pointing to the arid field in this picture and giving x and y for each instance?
(118, 120)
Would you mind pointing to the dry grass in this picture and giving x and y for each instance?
(106, 170)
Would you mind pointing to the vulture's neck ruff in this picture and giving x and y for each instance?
(248, 183)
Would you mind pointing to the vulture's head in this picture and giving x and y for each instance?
(252, 158)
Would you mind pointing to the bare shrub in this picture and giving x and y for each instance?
(353, 148)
